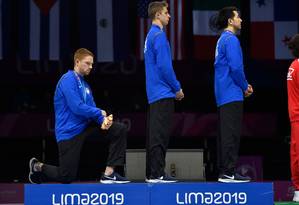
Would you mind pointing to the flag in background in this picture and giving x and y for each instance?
(7, 32)
(204, 38)
(43, 31)
(273, 23)
(174, 30)
(143, 24)
(88, 25)
(103, 26)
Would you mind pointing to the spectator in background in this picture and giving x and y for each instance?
(161, 88)
(77, 117)
(293, 106)
(230, 88)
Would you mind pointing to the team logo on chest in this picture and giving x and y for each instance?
(291, 70)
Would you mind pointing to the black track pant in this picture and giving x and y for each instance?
(230, 123)
(69, 152)
(159, 120)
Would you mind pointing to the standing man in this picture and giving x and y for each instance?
(77, 117)
(230, 88)
(161, 88)
(293, 105)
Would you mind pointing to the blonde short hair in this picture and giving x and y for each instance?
(81, 53)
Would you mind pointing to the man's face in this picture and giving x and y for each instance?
(164, 16)
(85, 65)
(236, 21)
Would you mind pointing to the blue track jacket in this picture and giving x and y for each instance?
(161, 80)
(230, 81)
(74, 106)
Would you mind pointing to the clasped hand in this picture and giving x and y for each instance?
(107, 122)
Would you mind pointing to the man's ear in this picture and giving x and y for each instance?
(157, 15)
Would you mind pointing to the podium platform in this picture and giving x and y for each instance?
(150, 194)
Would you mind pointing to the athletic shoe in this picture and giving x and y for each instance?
(162, 179)
(235, 178)
(113, 178)
(296, 196)
(34, 176)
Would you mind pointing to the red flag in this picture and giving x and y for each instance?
(44, 5)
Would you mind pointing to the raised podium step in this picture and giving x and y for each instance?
(150, 194)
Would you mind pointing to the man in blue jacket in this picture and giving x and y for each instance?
(161, 88)
(230, 88)
(77, 117)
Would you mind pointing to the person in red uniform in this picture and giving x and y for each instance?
(293, 106)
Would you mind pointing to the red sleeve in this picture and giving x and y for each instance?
(295, 66)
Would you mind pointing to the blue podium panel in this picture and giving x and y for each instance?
(83, 194)
(212, 193)
(150, 194)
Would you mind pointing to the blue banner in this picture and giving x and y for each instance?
(95, 194)
(212, 193)
(150, 194)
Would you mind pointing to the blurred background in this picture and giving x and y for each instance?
(37, 42)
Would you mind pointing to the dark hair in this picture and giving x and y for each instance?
(219, 21)
(293, 45)
(154, 7)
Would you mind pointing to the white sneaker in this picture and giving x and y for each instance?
(235, 178)
(296, 196)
